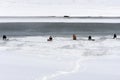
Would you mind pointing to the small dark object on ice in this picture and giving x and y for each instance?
(114, 36)
(4, 37)
(74, 37)
(50, 38)
(90, 38)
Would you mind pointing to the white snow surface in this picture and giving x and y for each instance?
(59, 7)
(33, 58)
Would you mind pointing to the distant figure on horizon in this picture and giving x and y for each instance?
(114, 36)
(50, 38)
(90, 38)
(74, 37)
(4, 37)
(66, 16)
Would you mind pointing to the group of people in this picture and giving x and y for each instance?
(75, 37)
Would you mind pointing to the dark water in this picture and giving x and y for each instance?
(23, 29)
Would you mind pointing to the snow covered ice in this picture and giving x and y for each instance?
(33, 58)
(28, 56)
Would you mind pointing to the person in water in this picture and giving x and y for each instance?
(50, 38)
(74, 37)
(114, 36)
(4, 37)
(90, 38)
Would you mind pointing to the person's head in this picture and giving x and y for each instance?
(4, 36)
(74, 35)
(50, 37)
(89, 36)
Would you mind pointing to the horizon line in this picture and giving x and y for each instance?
(65, 16)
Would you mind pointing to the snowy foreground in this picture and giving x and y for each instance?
(33, 58)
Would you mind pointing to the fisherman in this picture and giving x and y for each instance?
(74, 37)
(4, 37)
(50, 38)
(90, 38)
(114, 36)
